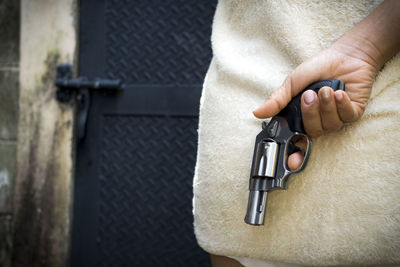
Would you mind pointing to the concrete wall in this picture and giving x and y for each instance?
(9, 72)
(42, 198)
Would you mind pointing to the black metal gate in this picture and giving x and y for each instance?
(134, 168)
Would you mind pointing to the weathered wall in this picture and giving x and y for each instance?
(42, 199)
(9, 62)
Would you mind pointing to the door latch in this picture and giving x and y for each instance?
(81, 86)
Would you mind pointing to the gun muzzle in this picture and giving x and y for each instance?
(256, 207)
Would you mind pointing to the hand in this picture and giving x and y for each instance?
(355, 59)
(326, 111)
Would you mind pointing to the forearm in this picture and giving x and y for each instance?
(376, 38)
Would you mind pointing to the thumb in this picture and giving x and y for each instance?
(305, 74)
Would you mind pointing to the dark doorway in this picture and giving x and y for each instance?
(134, 168)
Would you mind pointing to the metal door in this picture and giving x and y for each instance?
(134, 168)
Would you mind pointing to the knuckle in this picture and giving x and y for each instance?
(351, 113)
(280, 102)
(333, 126)
(315, 132)
(287, 83)
(358, 115)
(331, 123)
(287, 88)
(350, 117)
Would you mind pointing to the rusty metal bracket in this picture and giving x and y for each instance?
(81, 87)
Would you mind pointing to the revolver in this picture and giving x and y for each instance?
(274, 144)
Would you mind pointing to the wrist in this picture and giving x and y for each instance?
(376, 38)
(361, 48)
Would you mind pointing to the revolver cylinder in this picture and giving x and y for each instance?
(265, 159)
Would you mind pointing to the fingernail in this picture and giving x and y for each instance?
(339, 96)
(325, 93)
(308, 97)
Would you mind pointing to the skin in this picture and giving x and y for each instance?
(222, 261)
(355, 58)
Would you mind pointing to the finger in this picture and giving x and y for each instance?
(346, 110)
(302, 76)
(295, 160)
(310, 113)
(275, 103)
(329, 115)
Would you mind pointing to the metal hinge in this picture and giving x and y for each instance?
(66, 87)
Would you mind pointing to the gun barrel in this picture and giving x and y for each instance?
(256, 207)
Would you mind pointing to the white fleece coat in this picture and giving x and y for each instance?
(345, 207)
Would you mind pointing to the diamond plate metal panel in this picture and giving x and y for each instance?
(158, 42)
(133, 185)
(145, 214)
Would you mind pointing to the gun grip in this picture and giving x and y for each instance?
(292, 112)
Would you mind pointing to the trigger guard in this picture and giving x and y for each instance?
(291, 148)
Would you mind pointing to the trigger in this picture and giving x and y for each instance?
(302, 150)
(293, 149)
